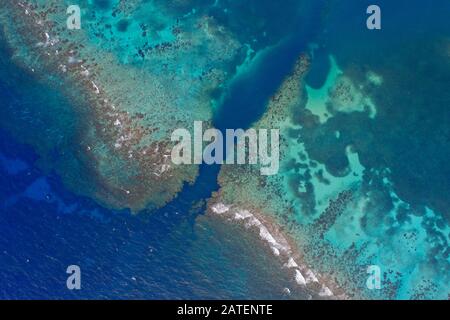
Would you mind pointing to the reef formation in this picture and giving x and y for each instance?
(129, 93)
(339, 215)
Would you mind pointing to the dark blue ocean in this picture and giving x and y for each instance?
(169, 254)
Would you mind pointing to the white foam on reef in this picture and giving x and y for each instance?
(220, 208)
(97, 91)
(310, 276)
(299, 278)
(277, 243)
(291, 263)
(325, 292)
(265, 235)
(85, 72)
(287, 291)
(50, 41)
(242, 215)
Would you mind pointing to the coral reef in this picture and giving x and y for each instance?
(123, 145)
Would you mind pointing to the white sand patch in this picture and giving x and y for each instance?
(345, 97)
(374, 78)
(341, 94)
(323, 192)
(318, 98)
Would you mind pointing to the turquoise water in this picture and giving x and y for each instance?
(399, 217)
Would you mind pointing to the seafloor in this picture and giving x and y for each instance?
(363, 117)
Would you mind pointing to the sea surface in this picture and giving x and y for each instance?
(174, 253)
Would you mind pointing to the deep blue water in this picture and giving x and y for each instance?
(166, 254)
(246, 98)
